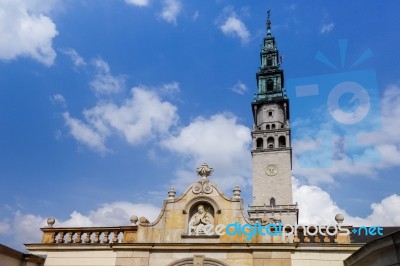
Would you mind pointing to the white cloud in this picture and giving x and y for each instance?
(140, 118)
(138, 2)
(328, 27)
(58, 99)
(26, 31)
(233, 26)
(171, 88)
(171, 10)
(104, 82)
(317, 207)
(382, 147)
(77, 60)
(25, 227)
(221, 142)
(239, 88)
(111, 214)
(85, 134)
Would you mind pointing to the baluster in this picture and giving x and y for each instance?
(87, 239)
(78, 238)
(317, 238)
(61, 237)
(69, 237)
(306, 237)
(96, 238)
(53, 237)
(105, 238)
(115, 238)
(296, 239)
(326, 237)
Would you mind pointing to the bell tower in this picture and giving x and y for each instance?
(271, 151)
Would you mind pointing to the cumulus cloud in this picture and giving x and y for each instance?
(233, 26)
(317, 207)
(26, 30)
(138, 2)
(239, 88)
(111, 214)
(171, 10)
(104, 82)
(77, 60)
(323, 146)
(328, 27)
(221, 142)
(141, 117)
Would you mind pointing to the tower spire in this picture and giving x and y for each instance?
(269, 22)
(272, 150)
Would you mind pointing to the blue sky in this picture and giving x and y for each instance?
(105, 104)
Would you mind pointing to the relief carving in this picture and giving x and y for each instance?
(201, 215)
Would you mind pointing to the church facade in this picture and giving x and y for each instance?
(202, 226)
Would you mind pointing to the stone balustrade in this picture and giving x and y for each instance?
(323, 235)
(89, 235)
(128, 234)
(262, 208)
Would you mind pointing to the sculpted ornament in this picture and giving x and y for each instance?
(203, 186)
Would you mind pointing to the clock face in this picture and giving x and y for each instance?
(271, 170)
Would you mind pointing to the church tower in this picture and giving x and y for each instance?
(271, 151)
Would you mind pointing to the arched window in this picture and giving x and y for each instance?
(267, 127)
(269, 61)
(270, 142)
(282, 141)
(273, 126)
(260, 143)
(272, 202)
(270, 113)
(270, 85)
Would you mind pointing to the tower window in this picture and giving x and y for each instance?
(273, 126)
(270, 113)
(270, 85)
(271, 142)
(260, 143)
(268, 127)
(272, 202)
(269, 61)
(282, 141)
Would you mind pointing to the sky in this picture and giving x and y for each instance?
(106, 104)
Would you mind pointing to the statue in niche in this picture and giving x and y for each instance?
(200, 219)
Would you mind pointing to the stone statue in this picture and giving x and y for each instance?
(199, 220)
